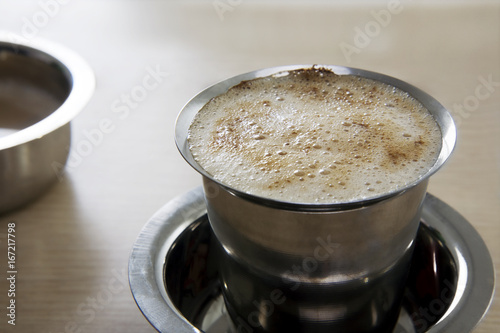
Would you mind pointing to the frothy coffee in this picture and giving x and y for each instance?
(312, 136)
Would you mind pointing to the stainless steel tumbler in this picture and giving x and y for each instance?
(292, 267)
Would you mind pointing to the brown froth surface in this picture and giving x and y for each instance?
(312, 136)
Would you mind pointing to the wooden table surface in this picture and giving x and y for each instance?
(73, 243)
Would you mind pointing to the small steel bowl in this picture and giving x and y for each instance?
(43, 86)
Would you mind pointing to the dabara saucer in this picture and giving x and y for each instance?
(173, 272)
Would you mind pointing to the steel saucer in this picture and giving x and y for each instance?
(173, 275)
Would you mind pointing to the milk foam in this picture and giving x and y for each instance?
(312, 136)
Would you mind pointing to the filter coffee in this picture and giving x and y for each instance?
(312, 136)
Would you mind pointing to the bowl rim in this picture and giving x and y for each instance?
(79, 74)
